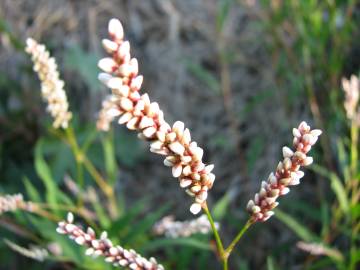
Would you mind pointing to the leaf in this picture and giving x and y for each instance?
(128, 148)
(85, 64)
(31, 190)
(165, 242)
(336, 186)
(222, 14)
(204, 76)
(270, 263)
(109, 157)
(300, 230)
(140, 228)
(43, 171)
(221, 206)
(343, 160)
(123, 221)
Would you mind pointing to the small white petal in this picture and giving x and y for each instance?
(132, 123)
(178, 127)
(126, 104)
(146, 122)
(250, 205)
(109, 46)
(80, 240)
(115, 29)
(296, 133)
(287, 152)
(70, 217)
(177, 148)
(308, 161)
(316, 132)
(185, 182)
(209, 168)
(195, 208)
(104, 77)
(125, 118)
(149, 132)
(136, 83)
(176, 170)
(115, 83)
(107, 64)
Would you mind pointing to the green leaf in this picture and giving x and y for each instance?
(128, 148)
(31, 190)
(185, 242)
(204, 76)
(343, 159)
(336, 186)
(222, 14)
(43, 171)
(122, 222)
(300, 230)
(85, 64)
(270, 263)
(109, 157)
(220, 208)
(139, 229)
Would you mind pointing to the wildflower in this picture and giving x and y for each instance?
(52, 87)
(115, 255)
(318, 249)
(107, 114)
(287, 173)
(173, 229)
(352, 92)
(33, 252)
(10, 203)
(182, 154)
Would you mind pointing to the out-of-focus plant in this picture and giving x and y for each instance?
(310, 42)
(339, 237)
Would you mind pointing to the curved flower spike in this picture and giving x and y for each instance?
(138, 113)
(287, 173)
(115, 255)
(52, 87)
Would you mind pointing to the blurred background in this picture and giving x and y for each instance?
(240, 74)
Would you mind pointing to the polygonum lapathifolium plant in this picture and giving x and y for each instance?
(174, 142)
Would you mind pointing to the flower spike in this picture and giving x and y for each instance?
(287, 173)
(138, 113)
(52, 87)
(103, 246)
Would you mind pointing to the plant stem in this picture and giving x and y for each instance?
(230, 248)
(219, 243)
(354, 152)
(225, 264)
(82, 160)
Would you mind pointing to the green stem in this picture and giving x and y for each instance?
(82, 160)
(225, 264)
(230, 248)
(219, 243)
(354, 152)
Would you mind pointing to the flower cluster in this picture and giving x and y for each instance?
(33, 252)
(116, 255)
(139, 113)
(10, 203)
(287, 173)
(52, 87)
(105, 116)
(352, 94)
(173, 229)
